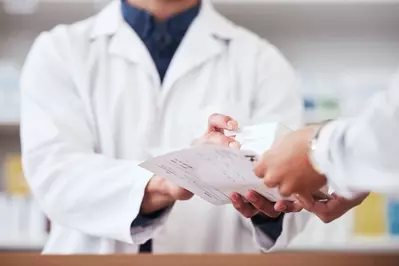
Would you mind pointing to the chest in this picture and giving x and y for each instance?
(127, 104)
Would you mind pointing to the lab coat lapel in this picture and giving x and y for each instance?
(128, 45)
(206, 38)
(124, 42)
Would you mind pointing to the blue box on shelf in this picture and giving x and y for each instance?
(393, 217)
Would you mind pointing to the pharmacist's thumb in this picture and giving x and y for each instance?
(177, 192)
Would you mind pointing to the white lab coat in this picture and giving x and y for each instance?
(362, 153)
(93, 108)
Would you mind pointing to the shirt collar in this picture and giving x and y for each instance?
(143, 23)
(110, 20)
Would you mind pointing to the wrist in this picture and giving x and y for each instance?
(155, 202)
(155, 214)
(313, 145)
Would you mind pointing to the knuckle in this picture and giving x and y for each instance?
(271, 179)
(326, 219)
(259, 171)
(225, 140)
(269, 182)
(261, 206)
(212, 117)
(247, 214)
(237, 206)
(286, 190)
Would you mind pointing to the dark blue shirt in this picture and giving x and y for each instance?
(160, 38)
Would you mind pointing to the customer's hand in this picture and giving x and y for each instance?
(333, 208)
(286, 165)
(160, 194)
(254, 203)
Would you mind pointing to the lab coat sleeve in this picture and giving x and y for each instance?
(361, 153)
(76, 187)
(277, 99)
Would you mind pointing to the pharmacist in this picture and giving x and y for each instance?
(350, 155)
(102, 95)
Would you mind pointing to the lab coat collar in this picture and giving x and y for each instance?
(107, 21)
(208, 36)
(110, 19)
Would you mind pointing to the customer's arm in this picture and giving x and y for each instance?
(361, 154)
(351, 155)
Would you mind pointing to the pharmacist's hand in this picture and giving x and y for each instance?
(333, 208)
(217, 123)
(160, 194)
(254, 203)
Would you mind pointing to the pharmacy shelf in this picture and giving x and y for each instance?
(356, 244)
(9, 128)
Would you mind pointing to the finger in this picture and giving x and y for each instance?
(246, 209)
(288, 206)
(307, 202)
(219, 139)
(271, 181)
(262, 204)
(176, 192)
(295, 206)
(281, 206)
(154, 185)
(219, 122)
(260, 168)
(285, 189)
(325, 211)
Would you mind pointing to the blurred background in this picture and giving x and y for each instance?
(344, 51)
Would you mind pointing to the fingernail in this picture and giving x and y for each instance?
(235, 145)
(234, 197)
(232, 124)
(283, 208)
(244, 199)
(253, 198)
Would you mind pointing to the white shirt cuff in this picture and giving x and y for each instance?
(329, 142)
(141, 234)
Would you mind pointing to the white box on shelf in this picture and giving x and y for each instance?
(20, 6)
(37, 223)
(18, 217)
(5, 217)
(9, 91)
